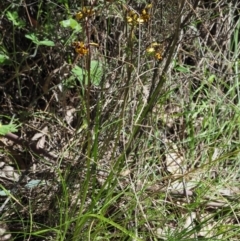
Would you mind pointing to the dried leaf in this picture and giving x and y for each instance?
(174, 163)
(70, 115)
(41, 142)
(173, 159)
(38, 135)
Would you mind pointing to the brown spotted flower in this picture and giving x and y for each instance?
(134, 18)
(80, 48)
(85, 12)
(156, 50)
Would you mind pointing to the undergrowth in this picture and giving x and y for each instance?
(125, 117)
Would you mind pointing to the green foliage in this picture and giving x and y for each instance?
(96, 72)
(145, 146)
(181, 68)
(38, 42)
(71, 23)
(4, 129)
(14, 18)
(4, 59)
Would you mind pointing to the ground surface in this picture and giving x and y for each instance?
(124, 120)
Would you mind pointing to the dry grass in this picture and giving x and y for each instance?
(118, 144)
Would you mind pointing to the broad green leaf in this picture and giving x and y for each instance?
(35, 40)
(71, 23)
(79, 72)
(4, 59)
(33, 37)
(46, 43)
(96, 72)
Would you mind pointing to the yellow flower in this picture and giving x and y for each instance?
(155, 44)
(134, 18)
(79, 15)
(158, 56)
(80, 48)
(155, 49)
(145, 16)
(85, 12)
